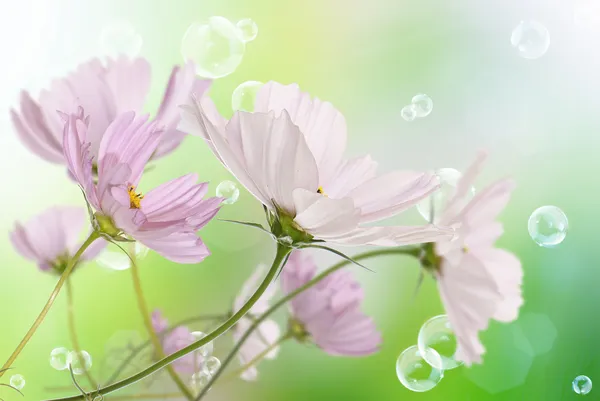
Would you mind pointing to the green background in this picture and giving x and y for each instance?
(537, 118)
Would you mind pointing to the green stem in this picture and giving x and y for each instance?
(282, 252)
(38, 321)
(73, 334)
(141, 347)
(142, 305)
(366, 255)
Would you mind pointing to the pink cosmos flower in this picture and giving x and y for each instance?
(289, 155)
(175, 340)
(329, 312)
(266, 334)
(477, 282)
(105, 91)
(166, 218)
(53, 237)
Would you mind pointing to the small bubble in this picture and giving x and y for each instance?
(75, 360)
(120, 38)
(114, 258)
(422, 105)
(244, 95)
(17, 381)
(449, 179)
(58, 358)
(415, 373)
(437, 335)
(207, 349)
(216, 47)
(409, 113)
(248, 29)
(212, 365)
(229, 191)
(548, 226)
(199, 380)
(531, 39)
(582, 384)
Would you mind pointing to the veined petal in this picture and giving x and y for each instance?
(323, 126)
(129, 83)
(33, 131)
(179, 247)
(202, 123)
(324, 217)
(275, 154)
(392, 193)
(128, 140)
(350, 175)
(487, 204)
(393, 235)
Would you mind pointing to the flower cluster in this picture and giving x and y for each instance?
(290, 155)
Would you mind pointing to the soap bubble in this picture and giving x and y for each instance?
(531, 39)
(437, 335)
(59, 358)
(244, 95)
(216, 47)
(248, 29)
(582, 385)
(229, 191)
(79, 362)
(120, 38)
(415, 373)
(422, 105)
(548, 226)
(17, 381)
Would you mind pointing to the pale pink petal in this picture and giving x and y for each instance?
(21, 243)
(276, 156)
(350, 175)
(179, 247)
(159, 322)
(248, 289)
(129, 83)
(128, 140)
(197, 121)
(392, 193)
(393, 235)
(325, 218)
(323, 126)
(351, 334)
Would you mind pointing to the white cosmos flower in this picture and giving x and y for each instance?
(289, 155)
(477, 281)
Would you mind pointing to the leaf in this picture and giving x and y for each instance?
(335, 251)
(253, 225)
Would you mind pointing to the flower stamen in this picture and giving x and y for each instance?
(134, 198)
(321, 191)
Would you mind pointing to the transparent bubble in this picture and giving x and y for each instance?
(449, 179)
(17, 381)
(114, 258)
(199, 380)
(548, 226)
(409, 113)
(437, 343)
(80, 363)
(215, 47)
(531, 39)
(582, 384)
(229, 191)
(58, 358)
(207, 349)
(415, 373)
(422, 105)
(120, 38)
(212, 365)
(248, 29)
(244, 95)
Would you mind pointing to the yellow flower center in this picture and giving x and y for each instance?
(322, 192)
(134, 198)
(465, 249)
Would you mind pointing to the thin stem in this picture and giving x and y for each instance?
(142, 346)
(61, 281)
(366, 255)
(281, 254)
(260, 356)
(73, 334)
(142, 305)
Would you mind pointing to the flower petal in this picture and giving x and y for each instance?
(324, 217)
(323, 126)
(129, 83)
(179, 247)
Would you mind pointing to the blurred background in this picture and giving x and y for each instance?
(520, 78)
